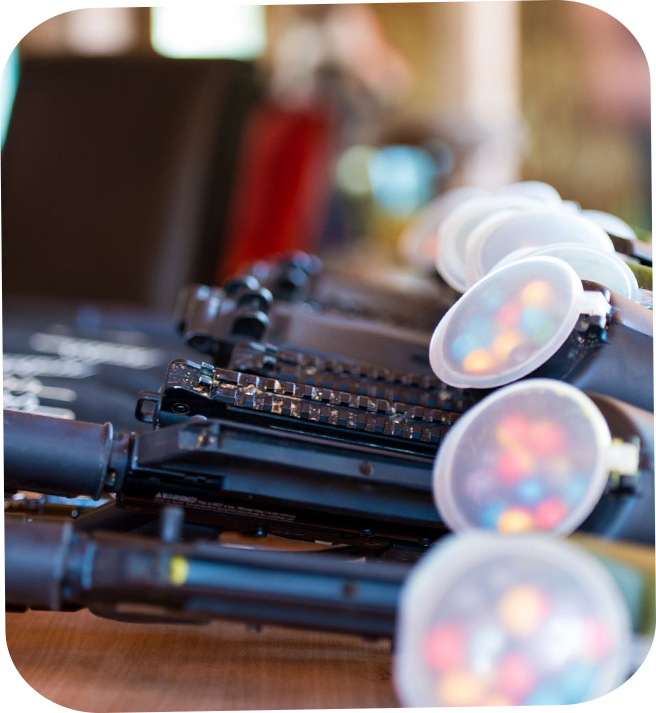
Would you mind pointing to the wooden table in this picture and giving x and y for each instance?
(91, 664)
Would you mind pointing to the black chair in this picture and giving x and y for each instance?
(117, 175)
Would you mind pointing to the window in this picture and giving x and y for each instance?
(7, 90)
(237, 32)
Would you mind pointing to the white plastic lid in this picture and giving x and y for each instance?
(611, 224)
(522, 620)
(491, 242)
(572, 206)
(530, 456)
(418, 243)
(456, 228)
(608, 269)
(537, 190)
(508, 324)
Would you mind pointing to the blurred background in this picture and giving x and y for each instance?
(144, 148)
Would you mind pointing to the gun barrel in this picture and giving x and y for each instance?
(35, 554)
(49, 565)
(56, 456)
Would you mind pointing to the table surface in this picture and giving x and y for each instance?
(90, 664)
